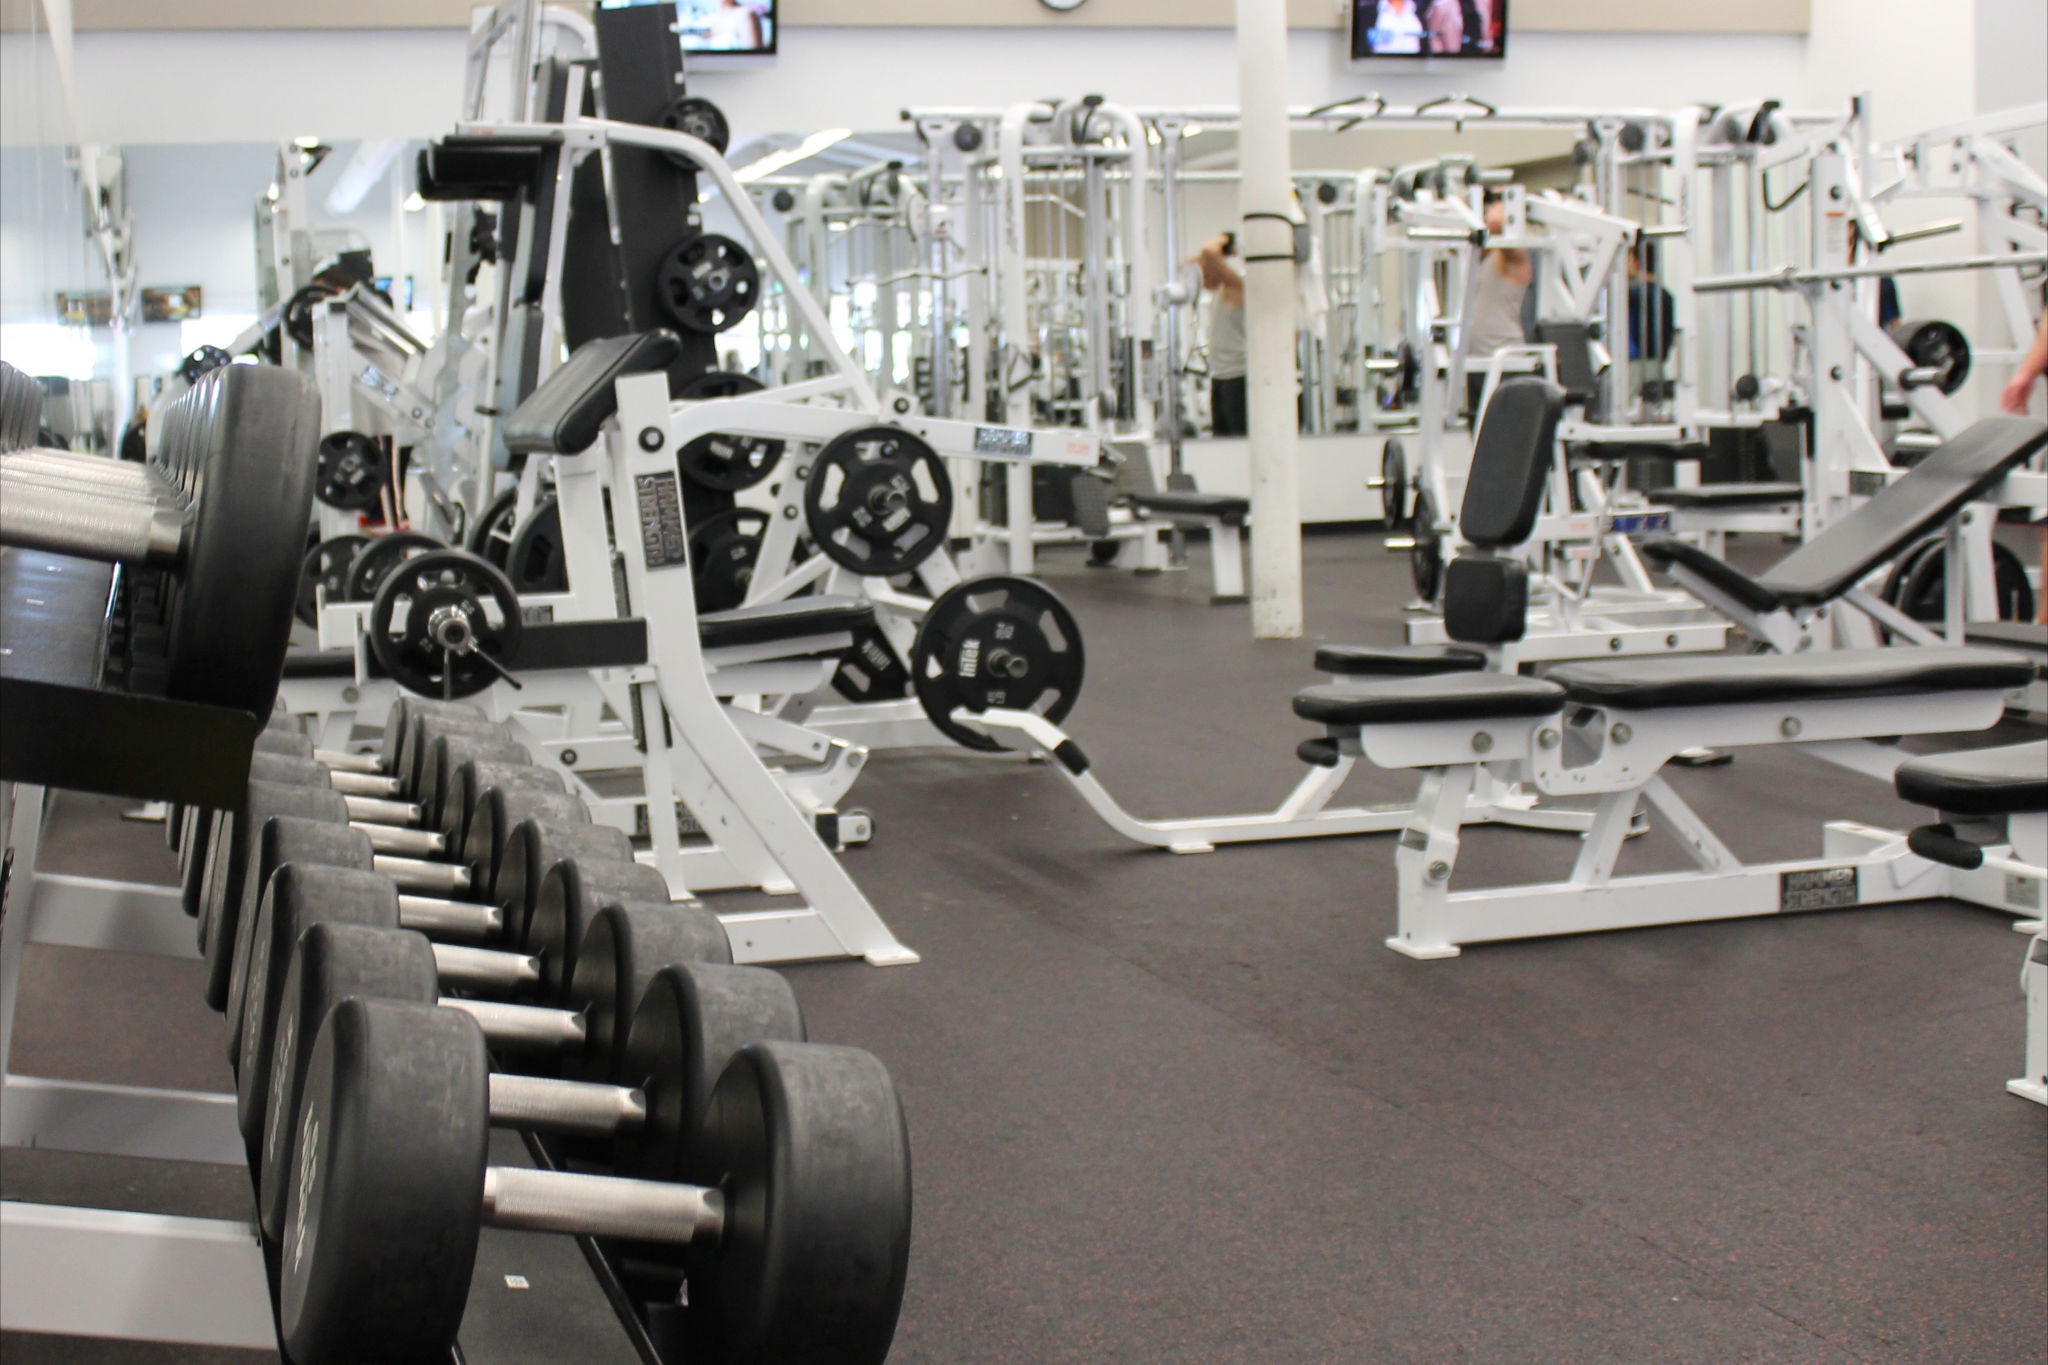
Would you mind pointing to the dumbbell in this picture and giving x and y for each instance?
(584, 1023)
(597, 856)
(794, 1235)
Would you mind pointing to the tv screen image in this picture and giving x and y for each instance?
(728, 26)
(1428, 28)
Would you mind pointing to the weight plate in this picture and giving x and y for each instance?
(691, 1021)
(384, 554)
(492, 537)
(996, 641)
(726, 463)
(202, 362)
(354, 470)
(719, 384)
(536, 562)
(879, 501)
(708, 283)
(331, 962)
(1902, 567)
(701, 119)
(255, 439)
(327, 565)
(808, 1144)
(385, 1209)
(438, 620)
(298, 311)
(1939, 346)
(1426, 555)
(1394, 485)
(1924, 593)
(871, 669)
(723, 551)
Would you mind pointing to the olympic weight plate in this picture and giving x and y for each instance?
(1426, 554)
(723, 551)
(879, 501)
(1394, 485)
(327, 566)
(701, 119)
(298, 311)
(719, 384)
(707, 283)
(203, 361)
(1939, 346)
(440, 619)
(536, 562)
(492, 537)
(381, 556)
(353, 471)
(726, 463)
(996, 641)
(871, 670)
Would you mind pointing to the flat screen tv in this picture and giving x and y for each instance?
(727, 28)
(1430, 30)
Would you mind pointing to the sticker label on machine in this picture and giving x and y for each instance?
(1822, 888)
(661, 519)
(1638, 523)
(1009, 442)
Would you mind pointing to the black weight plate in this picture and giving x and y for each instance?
(382, 555)
(438, 619)
(723, 551)
(878, 501)
(536, 562)
(1426, 555)
(1903, 566)
(726, 464)
(381, 1229)
(298, 311)
(1924, 594)
(871, 670)
(202, 362)
(239, 585)
(354, 470)
(1394, 484)
(707, 283)
(701, 119)
(996, 641)
(330, 963)
(719, 384)
(809, 1146)
(492, 537)
(1939, 346)
(327, 566)
(692, 1020)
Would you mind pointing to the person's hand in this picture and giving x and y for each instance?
(1496, 217)
(2018, 390)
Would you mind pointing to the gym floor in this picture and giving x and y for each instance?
(1190, 1109)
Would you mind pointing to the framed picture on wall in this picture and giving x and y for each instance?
(179, 304)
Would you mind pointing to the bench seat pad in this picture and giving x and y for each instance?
(1723, 495)
(1397, 661)
(796, 619)
(2001, 781)
(1224, 507)
(1442, 696)
(1738, 679)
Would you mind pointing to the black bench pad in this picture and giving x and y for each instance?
(1719, 573)
(1724, 495)
(2027, 635)
(796, 619)
(1735, 679)
(1442, 696)
(2001, 781)
(1224, 507)
(564, 415)
(321, 663)
(1397, 661)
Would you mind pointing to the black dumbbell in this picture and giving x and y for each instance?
(583, 1025)
(794, 1234)
(698, 1012)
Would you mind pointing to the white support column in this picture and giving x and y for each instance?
(1268, 255)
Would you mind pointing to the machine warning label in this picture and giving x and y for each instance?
(1009, 442)
(661, 519)
(1824, 888)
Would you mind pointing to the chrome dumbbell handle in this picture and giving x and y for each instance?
(565, 1106)
(341, 761)
(600, 1206)
(91, 525)
(413, 874)
(488, 968)
(522, 1028)
(455, 919)
(406, 843)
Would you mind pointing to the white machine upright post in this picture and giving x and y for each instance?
(1268, 254)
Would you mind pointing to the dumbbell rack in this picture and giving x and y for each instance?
(129, 1274)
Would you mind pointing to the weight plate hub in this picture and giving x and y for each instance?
(353, 471)
(879, 501)
(1939, 346)
(726, 463)
(708, 283)
(439, 620)
(996, 641)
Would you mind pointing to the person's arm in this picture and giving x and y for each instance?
(2020, 388)
(1218, 274)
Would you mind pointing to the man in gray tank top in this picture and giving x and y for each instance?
(1496, 321)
